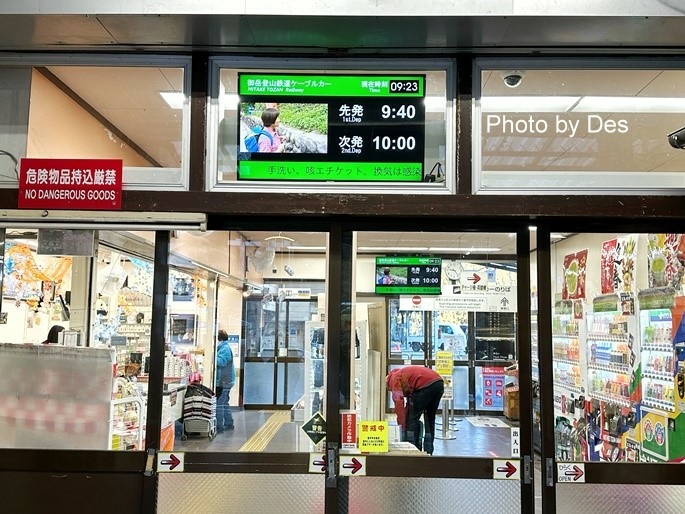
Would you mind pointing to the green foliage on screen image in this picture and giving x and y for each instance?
(304, 117)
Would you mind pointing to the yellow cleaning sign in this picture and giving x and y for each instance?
(373, 436)
(444, 362)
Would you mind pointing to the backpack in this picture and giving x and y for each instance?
(252, 139)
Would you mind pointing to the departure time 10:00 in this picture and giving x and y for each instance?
(394, 143)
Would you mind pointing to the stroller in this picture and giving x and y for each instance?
(199, 412)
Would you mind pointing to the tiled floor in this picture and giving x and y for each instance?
(463, 438)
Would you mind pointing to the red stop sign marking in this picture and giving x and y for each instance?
(416, 300)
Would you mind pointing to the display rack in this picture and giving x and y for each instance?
(613, 362)
(535, 375)
(568, 336)
(612, 350)
(658, 359)
(128, 424)
(662, 331)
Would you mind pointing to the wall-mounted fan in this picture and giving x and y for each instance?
(111, 277)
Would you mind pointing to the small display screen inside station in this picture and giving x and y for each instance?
(408, 275)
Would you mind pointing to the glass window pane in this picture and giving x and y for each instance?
(555, 127)
(67, 332)
(326, 123)
(265, 293)
(617, 342)
(447, 302)
(133, 113)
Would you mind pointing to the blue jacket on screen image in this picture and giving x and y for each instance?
(225, 374)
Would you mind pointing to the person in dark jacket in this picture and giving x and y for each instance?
(416, 391)
(225, 378)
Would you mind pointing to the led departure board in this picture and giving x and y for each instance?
(332, 128)
(408, 275)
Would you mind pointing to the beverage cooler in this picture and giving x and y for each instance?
(569, 378)
(495, 349)
(662, 418)
(495, 336)
(596, 365)
(613, 364)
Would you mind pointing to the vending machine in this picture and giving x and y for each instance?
(570, 380)
(662, 410)
(613, 367)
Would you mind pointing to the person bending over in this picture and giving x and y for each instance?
(416, 391)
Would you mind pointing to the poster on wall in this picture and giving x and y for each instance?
(575, 265)
(618, 265)
(490, 388)
(608, 269)
(666, 259)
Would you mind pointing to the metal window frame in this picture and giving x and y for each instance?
(217, 63)
(134, 178)
(104, 220)
(535, 182)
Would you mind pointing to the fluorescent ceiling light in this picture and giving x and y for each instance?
(174, 99)
(472, 249)
(392, 249)
(307, 248)
(435, 103)
(523, 104)
(629, 104)
(230, 102)
(557, 236)
(528, 103)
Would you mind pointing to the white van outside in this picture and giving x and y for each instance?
(451, 337)
(448, 336)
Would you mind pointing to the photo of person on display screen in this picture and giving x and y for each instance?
(225, 379)
(416, 391)
(272, 142)
(386, 277)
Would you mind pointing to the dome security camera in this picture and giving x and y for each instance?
(677, 139)
(513, 78)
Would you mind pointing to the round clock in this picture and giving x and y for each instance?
(452, 270)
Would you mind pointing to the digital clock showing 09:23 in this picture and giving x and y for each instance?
(404, 86)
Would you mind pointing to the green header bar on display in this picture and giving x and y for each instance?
(332, 85)
(408, 261)
(432, 290)
(339, 171)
